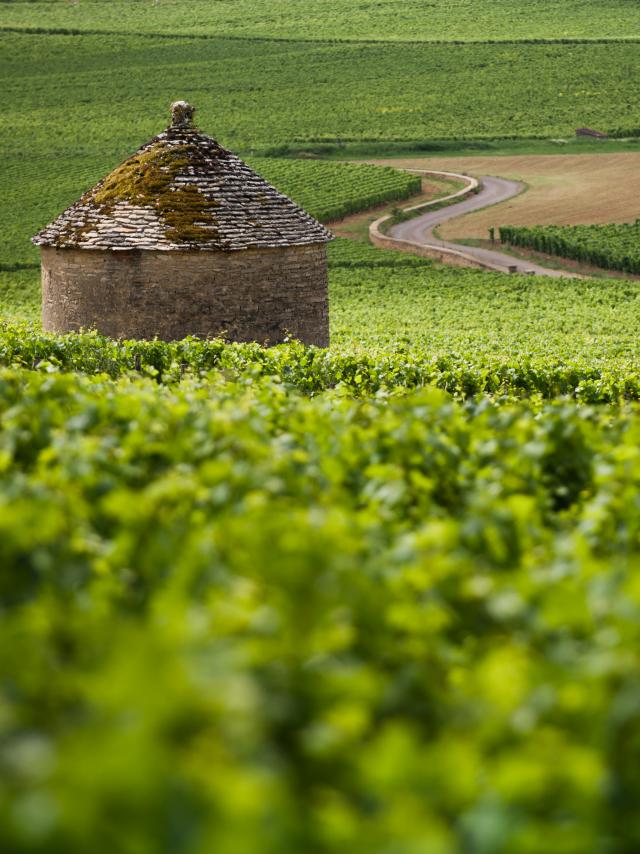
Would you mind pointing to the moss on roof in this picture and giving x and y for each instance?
(182, 190)
(147, 180)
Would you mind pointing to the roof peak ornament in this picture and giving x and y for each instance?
(182, 115)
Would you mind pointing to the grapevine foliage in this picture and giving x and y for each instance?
(612, 247)
(331, 191)
(236, 618)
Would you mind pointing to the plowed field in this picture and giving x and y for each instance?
(562, 189)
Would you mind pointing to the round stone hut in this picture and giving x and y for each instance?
(183, 238)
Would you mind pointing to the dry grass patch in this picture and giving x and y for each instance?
(567, 189)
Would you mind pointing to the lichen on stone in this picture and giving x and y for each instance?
(148, 180)
(74, 233)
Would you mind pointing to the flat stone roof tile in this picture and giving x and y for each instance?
(182, 190)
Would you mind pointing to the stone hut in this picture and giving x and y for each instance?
(183, 238)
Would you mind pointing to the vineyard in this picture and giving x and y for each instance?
(384, 20)
(612, 247)
(69, 122)
(327, 190)
(379, 598)
(334, 190)
(358, 373)
(547, 334)
(354, 254)
(307, 91)
(353, 610)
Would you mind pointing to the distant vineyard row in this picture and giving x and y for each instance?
(289, 92)
(334, 190)
(612, 247)
(467, 330)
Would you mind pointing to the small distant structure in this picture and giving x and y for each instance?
(183, 238)
(591, 132)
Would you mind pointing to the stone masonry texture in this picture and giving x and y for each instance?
(255, 294)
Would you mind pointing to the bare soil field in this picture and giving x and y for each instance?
(562, 189)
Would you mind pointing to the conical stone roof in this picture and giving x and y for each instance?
(182, 190)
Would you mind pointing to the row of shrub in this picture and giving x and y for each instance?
(612, 247)
(312, 370)
(332, 190)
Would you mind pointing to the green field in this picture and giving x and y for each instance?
(77, 105)
(270, 92)
(612, 247)
(331, 191)
(326, 190)
(383, 20)
(492, 315)
(381, 598)
(401, 321)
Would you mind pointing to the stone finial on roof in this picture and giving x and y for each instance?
(182, 114)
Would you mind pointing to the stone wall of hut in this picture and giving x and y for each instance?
(248, 295)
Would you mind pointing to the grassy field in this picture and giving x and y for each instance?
(275, 92)
(384, 20)
(479, 314)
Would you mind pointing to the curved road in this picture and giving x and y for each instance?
(494, 190)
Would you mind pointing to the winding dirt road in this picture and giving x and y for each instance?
(419, 230)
